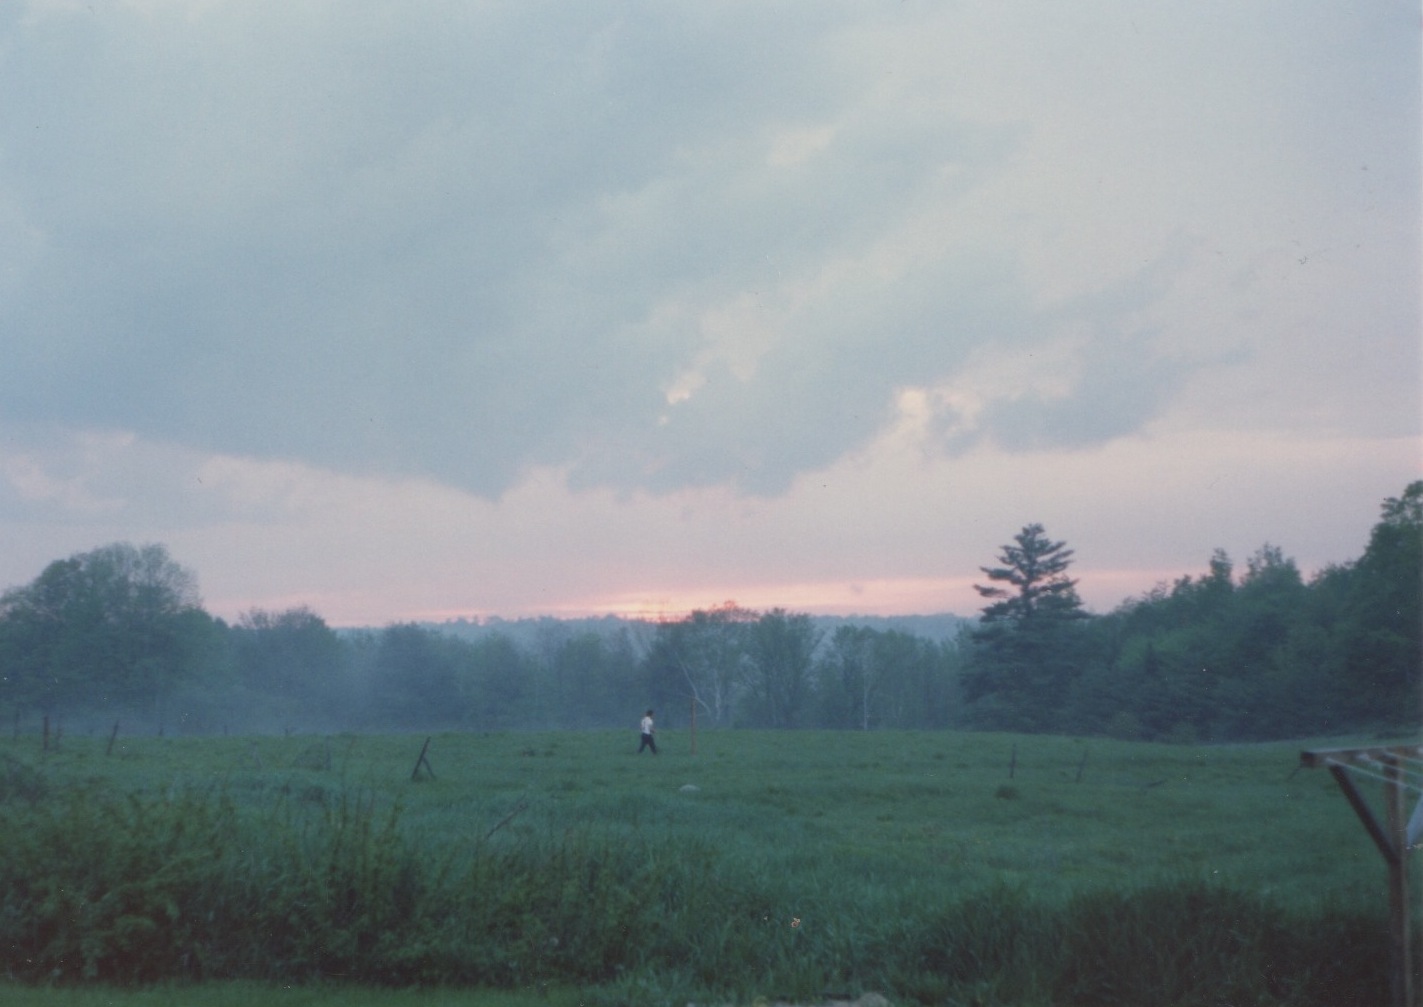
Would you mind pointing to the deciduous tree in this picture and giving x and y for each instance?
(1381, 635)
(120, 625)
(293, 657)
(782, 654)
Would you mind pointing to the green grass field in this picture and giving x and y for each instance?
(799, 862)
(249, 994)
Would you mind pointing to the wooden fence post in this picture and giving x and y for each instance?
(1400, 928)
(422, 761)
(1390, 836)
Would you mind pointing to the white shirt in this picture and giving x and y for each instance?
(646, 725)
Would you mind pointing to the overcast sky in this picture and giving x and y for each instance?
(419, 310)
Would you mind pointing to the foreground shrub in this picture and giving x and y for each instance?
(139, 888)
(1192, 943)
(332, 885)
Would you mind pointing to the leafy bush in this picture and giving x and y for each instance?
(1192, 943)
(138, 888)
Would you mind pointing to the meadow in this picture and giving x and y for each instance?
(930, 867)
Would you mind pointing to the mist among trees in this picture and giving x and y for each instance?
(1234, 653)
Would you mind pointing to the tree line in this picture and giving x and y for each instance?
(1226, 655)
(1230, 654)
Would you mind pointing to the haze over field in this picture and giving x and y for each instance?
(414, 312)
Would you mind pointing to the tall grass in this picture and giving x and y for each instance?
(314, 878)
(137, 889)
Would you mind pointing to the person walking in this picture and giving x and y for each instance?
(647, 731)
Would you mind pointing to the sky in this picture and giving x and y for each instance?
(464, 309)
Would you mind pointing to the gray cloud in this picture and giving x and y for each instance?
(460, 241)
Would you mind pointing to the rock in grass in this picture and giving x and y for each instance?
(689, 788)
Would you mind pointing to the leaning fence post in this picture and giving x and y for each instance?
(1389, 763)
(422, 761)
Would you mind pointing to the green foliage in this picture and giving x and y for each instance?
(20, 782)
(416, 681)
(1264, 655)
(1381, 627)
(291, 659)
(119, 625)
(1029, 649)
(1270, 656)
(805, 862)
(781, 655)
(117, 633)
(869, 678)
(1036, 569)
(141, 888)
(238, 993)
(703, 658)
(589, 680)
(1194, 943)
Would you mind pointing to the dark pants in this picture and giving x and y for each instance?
(647, 742)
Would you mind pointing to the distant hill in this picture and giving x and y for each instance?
(532, 632)
(943, 626)
(529, 633)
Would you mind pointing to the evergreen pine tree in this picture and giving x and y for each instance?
(1026, 646)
